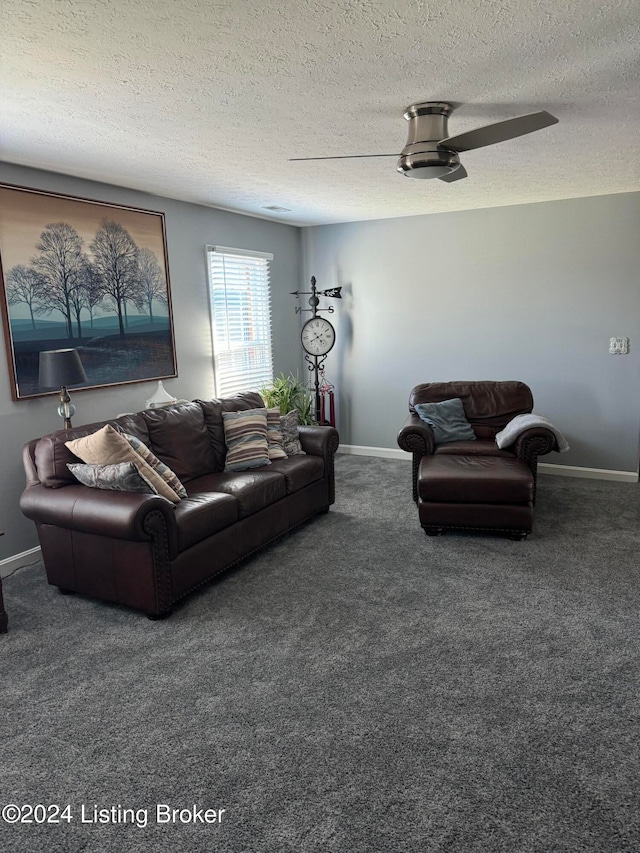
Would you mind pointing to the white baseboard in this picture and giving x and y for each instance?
(18, 561)
(543, 467)
(588, 473)
(385, 452)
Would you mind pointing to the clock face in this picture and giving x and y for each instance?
(318, 336)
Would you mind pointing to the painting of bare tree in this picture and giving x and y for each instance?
(84, 274)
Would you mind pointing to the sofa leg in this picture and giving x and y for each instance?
(64, 591)
(156, 617)
(518, 535)
(430, 530)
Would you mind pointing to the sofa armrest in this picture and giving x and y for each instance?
(322, 441)
(319, 440)
(532, 443)
(417, 438)
(117, 515)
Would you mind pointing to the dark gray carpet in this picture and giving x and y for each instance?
(357, 687)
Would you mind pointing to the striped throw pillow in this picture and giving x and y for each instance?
(159, 467)
(275, 445)
(245, 434)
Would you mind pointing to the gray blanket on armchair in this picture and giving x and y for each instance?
(520, 423)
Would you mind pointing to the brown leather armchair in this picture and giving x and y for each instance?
(475, 484)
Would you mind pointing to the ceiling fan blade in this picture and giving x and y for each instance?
(501, 131)
(456, 175)
(343, 157)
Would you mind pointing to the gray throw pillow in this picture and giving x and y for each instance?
(447, 419)
(120, 477)
(289, 425)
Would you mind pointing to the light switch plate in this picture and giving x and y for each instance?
(619, 346)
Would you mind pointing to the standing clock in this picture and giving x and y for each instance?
(318, 335)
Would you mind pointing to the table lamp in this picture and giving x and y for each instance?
(59, 368)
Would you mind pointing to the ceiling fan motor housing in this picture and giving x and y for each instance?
(428, 164)
(421, 157)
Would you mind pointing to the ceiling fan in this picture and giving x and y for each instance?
(431, 153)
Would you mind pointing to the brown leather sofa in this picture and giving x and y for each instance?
(474, 484)
(145, 552)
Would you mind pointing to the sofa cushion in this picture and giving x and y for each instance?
(480, 447)
(486, 433)
(108, 447)
(299, 471)
(133, 424)
(254, 490)
(245, 434)
(52, 457)
(474, 480)
(180, 438)
(212, 411)
(490, 403)
(203, 514)
(447, 420)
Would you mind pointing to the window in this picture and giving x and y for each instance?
(240, 303)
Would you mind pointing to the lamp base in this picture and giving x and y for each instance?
(66, 409)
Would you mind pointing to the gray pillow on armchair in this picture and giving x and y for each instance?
(447, 419)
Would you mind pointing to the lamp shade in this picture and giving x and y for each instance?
(60, 367)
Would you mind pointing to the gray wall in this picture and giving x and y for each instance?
(189, 228)
(529, 292)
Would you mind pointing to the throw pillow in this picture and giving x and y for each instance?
(121, 477)
(108, 447)
(245, 434)
(159, 467)
(289, 425)
(447, 420)
(275, 446)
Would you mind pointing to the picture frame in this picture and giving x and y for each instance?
(87, 275)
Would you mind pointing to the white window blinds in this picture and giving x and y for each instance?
(240, 302)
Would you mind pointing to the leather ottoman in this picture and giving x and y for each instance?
(491, 493)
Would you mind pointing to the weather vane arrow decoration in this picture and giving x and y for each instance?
(333, 292)
(318, 335)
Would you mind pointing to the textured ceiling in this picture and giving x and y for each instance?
(206, 101)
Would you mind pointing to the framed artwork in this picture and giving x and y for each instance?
(84, 275)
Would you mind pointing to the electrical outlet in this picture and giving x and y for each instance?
(619, 346)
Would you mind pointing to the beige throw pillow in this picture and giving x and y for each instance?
(109, 447)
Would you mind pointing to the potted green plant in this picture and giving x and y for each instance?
(289, 392)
